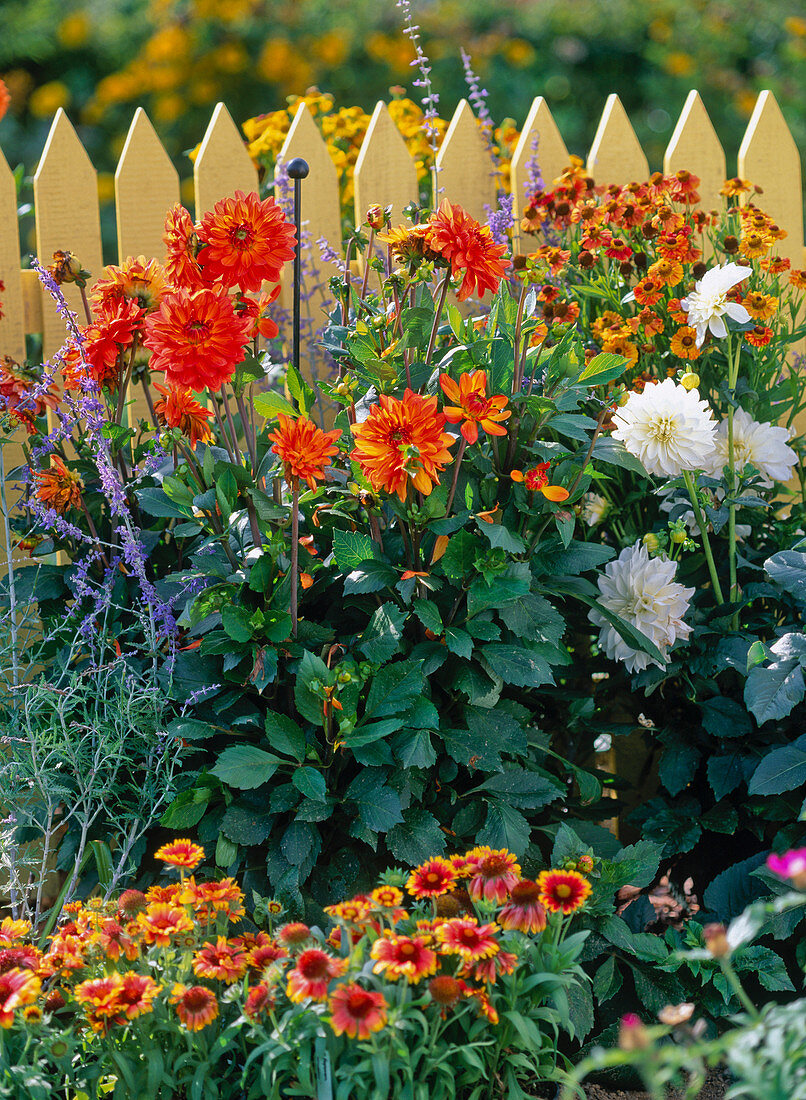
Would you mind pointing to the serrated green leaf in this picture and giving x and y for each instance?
(245, 766)
(505, 827)
(517, 665)
(418, 837)
(351, 548)
(311, 783)
(428, 614)
(270, 404)
(285, 736)
(781, 770)
(235, 620)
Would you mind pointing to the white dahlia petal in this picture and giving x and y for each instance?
(643, 591)
(764, 445)
(667, 427)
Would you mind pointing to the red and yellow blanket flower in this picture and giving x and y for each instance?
(402, 443)
(356, 1012)
(563, 891)
(181, 853)
(434, 877)
(471, 407)
(524, 910)
(314, 971)
(495, 872)
(196, 1006)
(407, 957)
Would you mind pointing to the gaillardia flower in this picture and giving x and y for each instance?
(402, 443)
(356, 1012)
(181, 853)
(669, 428)
(220, 961)
(563, 891)
(196, 1006)
(304, 449)
(246, 241)
(464, 936)
(707, 305)
(643, 591)
(312, 974)
(495, 872)
(472, 407)
(434, 877)
(406, 957)
(524, 910)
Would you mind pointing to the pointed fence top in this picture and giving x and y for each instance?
(466, 173)
(146, 187)
(321, 210)
(695, 147)
(616, 155)
(223, 165)
(384, 171)
(12, 326)
(540, 147)
(769, 158)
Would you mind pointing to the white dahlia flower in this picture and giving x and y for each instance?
(763, 445)
(667, 427)
(594, 508)
(643, 591)
(707, 304)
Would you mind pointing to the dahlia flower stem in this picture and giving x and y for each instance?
(294, 552)
(124, 385)
(246, 425)
(733, 371)
(516, 381)
(149, 401)
(367, 259)
(454, 483)
(706, 543)
(221, 429)
(231, 424)
(86, 304)
(12, 591)
(443, 294)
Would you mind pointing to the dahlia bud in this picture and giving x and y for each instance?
(679, 536)
(651, 542)
(66, 268)
(632, 1034)
(690, 380)
(376, 216)
(716, 940)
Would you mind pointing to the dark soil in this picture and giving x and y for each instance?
(714, 1089)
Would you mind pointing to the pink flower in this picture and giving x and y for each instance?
(791, 865)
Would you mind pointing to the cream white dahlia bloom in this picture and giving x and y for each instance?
(643, 591)
(667, 427)
(762, 444)
(707, 304)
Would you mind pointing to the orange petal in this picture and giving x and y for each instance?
(412, 573)
(306, 580)
(516, 475)
(555, 493)
(440, 546)
(487, 517)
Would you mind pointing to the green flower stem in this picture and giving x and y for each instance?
(738, 989)
(733, 372)
(443, 293)
(706, 544)
(294, 552)
(456, 465)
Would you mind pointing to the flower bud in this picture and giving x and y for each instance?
(66, 268)
(699, 270)
(375, 216)
(674, 1015)
(584, 865)
(716, 940)
(690, 380)
(679, 537)
(651, 542)
(632, 1034)
(730, 245)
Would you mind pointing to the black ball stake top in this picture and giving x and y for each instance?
(297, 171)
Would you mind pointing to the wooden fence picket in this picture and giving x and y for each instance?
(67, 217)
(12, 321)
(769, 158)
(551, 156)
(384, 171)
(222, 164)
(466, 173)
(695, 147)
(146, 187)
(616, 155)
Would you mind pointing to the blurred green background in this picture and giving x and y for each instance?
(99, 59)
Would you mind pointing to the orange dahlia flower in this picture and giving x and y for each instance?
(17, 988)
(246, 241)
(5, 98)
(563, 891)
(472, 406)
(178, 408)
(137, 279)
(409, 244)
(469, 248)
(304, 448)
(402, 441)
(182, 242)
(181, 853)
(196, 1006)
(356, 1012)
(57, 487)
(434, 877)
(196, 338)
(536, 480)
(466, 937)
(523, 911)
(313, 973)
(220, 961)
(406, 957)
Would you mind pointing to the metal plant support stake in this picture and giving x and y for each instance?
(297, 170)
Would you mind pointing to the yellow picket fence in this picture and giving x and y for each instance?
(66, 208)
